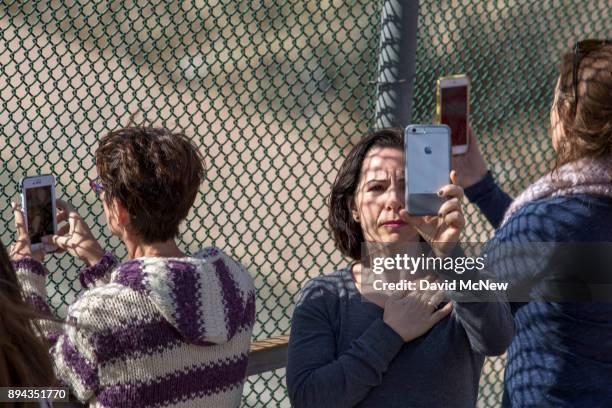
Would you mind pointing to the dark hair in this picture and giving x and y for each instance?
(154, 174)
(24, 356)
(347, 232)
(587, 125)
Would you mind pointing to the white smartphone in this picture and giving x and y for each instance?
(38, 204)
(428, 164)
(453, 108)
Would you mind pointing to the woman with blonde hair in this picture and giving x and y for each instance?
(562, 353)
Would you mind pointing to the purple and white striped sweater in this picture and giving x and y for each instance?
(153, 332)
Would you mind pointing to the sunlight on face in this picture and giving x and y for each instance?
(380, 197)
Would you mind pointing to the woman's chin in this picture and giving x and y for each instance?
(401, 236)
(405, 233)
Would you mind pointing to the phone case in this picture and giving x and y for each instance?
(461, 149)
(438, 117)
(422, 183)
(24, 205)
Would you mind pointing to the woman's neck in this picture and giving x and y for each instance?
(167, 249)
(378, 299)
(362, 274)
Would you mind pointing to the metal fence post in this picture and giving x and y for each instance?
(396, 63)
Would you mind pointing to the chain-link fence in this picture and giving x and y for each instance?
(274, 92)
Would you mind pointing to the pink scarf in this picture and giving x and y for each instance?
(584, 176)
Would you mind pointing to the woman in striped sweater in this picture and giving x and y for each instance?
(161, 329)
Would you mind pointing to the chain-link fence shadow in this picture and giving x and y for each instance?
(274, 92)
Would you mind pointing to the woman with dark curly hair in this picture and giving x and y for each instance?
(163, 328)
(350, 347)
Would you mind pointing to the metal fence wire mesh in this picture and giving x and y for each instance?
(274, 92)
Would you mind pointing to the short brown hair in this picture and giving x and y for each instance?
(347, 232)
(588, 124)
(154, 174)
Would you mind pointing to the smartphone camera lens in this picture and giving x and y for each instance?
(413, 130)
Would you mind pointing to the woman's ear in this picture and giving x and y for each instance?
(123, 217)
(354, 212)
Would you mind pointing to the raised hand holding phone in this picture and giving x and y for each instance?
(441, 231)
(38, 206)
(22, 247)
(471, 167)
(433, 205)
(427, 152)
(76, 237)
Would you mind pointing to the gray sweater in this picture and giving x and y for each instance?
(342, 354)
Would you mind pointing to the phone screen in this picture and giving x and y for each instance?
(40, 212)
(454, 113)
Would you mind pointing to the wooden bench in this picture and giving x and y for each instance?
(268, 354)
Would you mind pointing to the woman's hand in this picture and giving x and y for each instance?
(22, 248)
(471, 165)
(414, 314)
(442, 231)
(76, 237)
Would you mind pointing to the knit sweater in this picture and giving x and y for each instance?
(163, 332)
